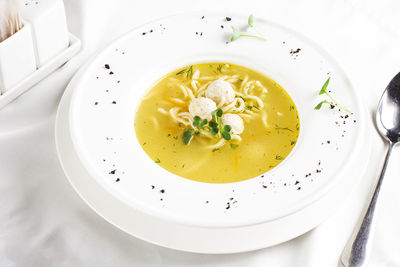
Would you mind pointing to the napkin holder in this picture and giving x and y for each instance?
(38, 49)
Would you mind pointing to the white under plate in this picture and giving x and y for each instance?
(191, 238)
(42, 72)
(95, 122)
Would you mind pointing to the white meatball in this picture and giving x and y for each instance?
(202, 107)
(235, 121)
(221, 92)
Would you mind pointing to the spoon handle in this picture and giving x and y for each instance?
(356, 251)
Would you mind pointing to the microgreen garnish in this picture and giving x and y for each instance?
(318, 107)
(196, 121)
(203, 123)
(219, 68)
(227, 128)
(215, 127)
(236, 34)
(250, 21)
(332, 103)
(187, 136)
(217, 113)
(225, 132)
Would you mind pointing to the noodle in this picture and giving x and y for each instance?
(244, 97)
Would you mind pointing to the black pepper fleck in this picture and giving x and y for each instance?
(111, 73)
(162, 191)
(293, 52)
(107, 66)
(228, 19)
(117, 180)
(114, 102)
(112, 172)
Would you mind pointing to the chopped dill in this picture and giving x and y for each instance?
(181, 72)
(251, 107)
(189, 72)
(234, 146)
(282, 128)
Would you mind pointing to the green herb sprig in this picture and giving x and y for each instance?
(188, 136)
(236, 34)
(215, 125)
(333, 102)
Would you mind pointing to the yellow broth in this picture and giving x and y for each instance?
(261, 149)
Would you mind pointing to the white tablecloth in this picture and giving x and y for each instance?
(43, 222)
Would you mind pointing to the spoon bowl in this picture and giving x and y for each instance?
(388, 113)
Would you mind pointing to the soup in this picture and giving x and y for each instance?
(217, 123)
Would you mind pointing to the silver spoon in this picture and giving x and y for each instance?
(356, 252)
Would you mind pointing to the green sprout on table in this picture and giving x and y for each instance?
(333, 103)
(236, 34)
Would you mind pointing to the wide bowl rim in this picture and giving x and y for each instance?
(209, 223)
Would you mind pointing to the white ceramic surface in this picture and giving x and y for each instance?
(43, 71)
(49, 27)
(192, 238)
(105, 131)
(17, 58)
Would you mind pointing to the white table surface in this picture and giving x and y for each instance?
(43, 222)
